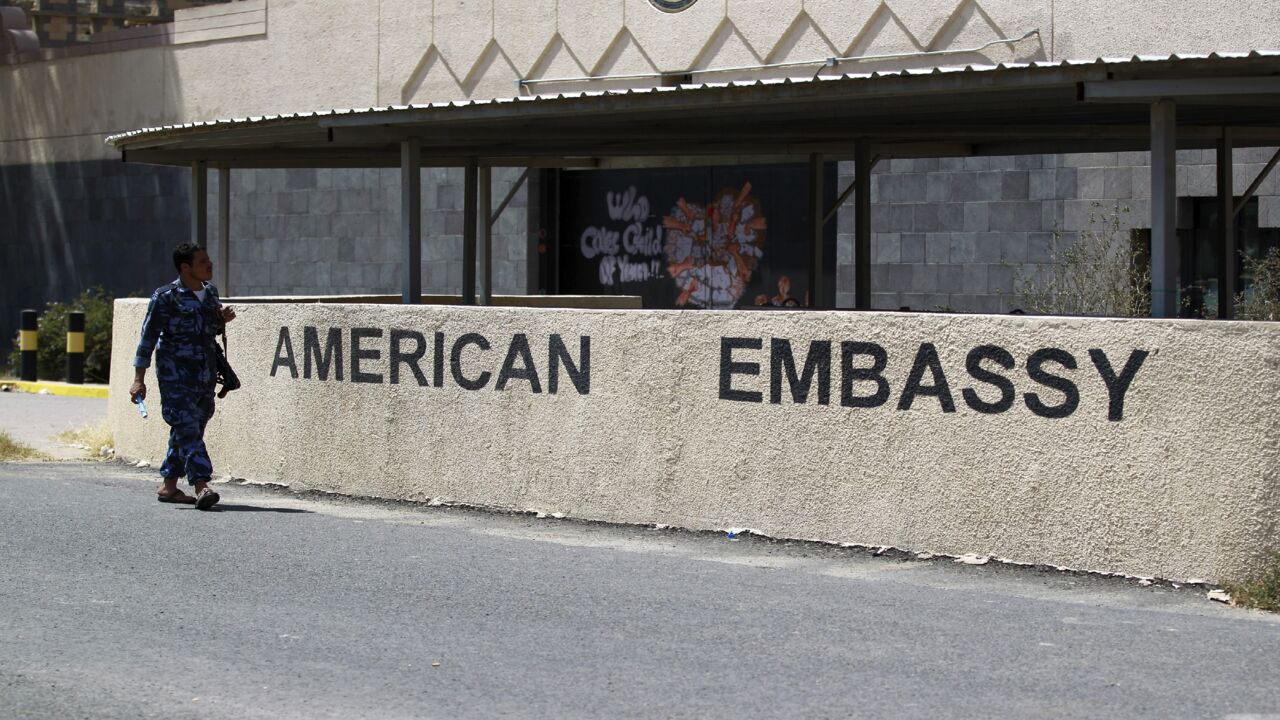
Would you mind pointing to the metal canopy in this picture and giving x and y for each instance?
(1156, 104)
(1097, 106)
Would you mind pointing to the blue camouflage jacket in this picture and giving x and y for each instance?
(178, 326)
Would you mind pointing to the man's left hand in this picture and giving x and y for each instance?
(228, 314)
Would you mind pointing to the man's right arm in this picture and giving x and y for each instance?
(151, 326)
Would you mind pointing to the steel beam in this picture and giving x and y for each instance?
(224, 231)
(511, 195)
(485, 233)
(1185, 89)
(862, 226)
(470, 205)
(1257, 183)
(1164, 209)
(410, 222)
(817, 283)
(1227, 226)
(200, 203)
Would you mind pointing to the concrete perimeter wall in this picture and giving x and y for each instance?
(663, 424)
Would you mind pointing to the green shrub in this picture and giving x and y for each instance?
(1262, 300)
(1095, 272)
(51, 357)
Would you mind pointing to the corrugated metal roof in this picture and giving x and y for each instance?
(1136, 60)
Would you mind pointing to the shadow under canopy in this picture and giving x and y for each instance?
(1157, 104)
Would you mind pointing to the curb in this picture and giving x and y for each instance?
(56, 388)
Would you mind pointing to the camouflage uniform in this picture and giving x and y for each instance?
(185, 329)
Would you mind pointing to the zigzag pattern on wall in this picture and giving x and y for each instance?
(484, 51)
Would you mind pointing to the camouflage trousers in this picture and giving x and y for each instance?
(186, 398)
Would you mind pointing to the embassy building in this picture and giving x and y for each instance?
(278, 127)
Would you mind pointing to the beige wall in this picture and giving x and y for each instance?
(333, 54)
(1186, 485)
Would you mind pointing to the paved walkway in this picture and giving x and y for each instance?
(34, 420)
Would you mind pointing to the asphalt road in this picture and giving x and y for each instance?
(285, 606)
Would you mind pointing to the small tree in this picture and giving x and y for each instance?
(1261, 301)
(1099, 272)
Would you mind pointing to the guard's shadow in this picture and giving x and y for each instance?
(251, 508)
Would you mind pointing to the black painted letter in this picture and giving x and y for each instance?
(455, 361)
(817, 362)
(332, 357)
(519, 349)
(729, 368)
(399, 357)
(437, 361)
(973, 364)
(1116, 386)
(286, 360)
(849, 374)
(358, 354)
(1036, 372)
(579, 374)
(927, 359)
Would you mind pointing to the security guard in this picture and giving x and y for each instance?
(183, 320)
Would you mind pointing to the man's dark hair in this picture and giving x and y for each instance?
(185, 254)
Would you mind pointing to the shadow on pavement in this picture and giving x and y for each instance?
(250, 508)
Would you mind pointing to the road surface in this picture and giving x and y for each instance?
(301, 606)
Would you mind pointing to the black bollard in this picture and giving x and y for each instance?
(28, 342)
(75, 347)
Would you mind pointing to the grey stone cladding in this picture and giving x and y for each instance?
(337, 231)
(958, 233)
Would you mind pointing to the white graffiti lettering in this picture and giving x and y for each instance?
(598, 241)
(628, 255)
(628, 206)
(639, 240)
(616, 269)
(607, 265)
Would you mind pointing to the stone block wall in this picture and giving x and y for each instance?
(323, 231)
(959, 233)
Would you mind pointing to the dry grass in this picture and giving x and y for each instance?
(1263, 592)
(96, 440)
(11, 450)
(1096, 273)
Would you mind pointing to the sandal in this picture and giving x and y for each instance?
(206, 499)
(177, 496)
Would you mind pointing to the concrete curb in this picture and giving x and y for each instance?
(57, 388)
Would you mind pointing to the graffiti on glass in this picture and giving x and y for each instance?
(712, 250)
(630, 247)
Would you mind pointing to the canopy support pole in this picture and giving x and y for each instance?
(485, 231)
(862, 225)
(411, 221)
(224, 230)
(1227, 225)
(1164, 209)
(200, 203)
(470, 202)
(817, 282)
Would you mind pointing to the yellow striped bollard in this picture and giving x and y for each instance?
(28, 342)
(75, 347)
